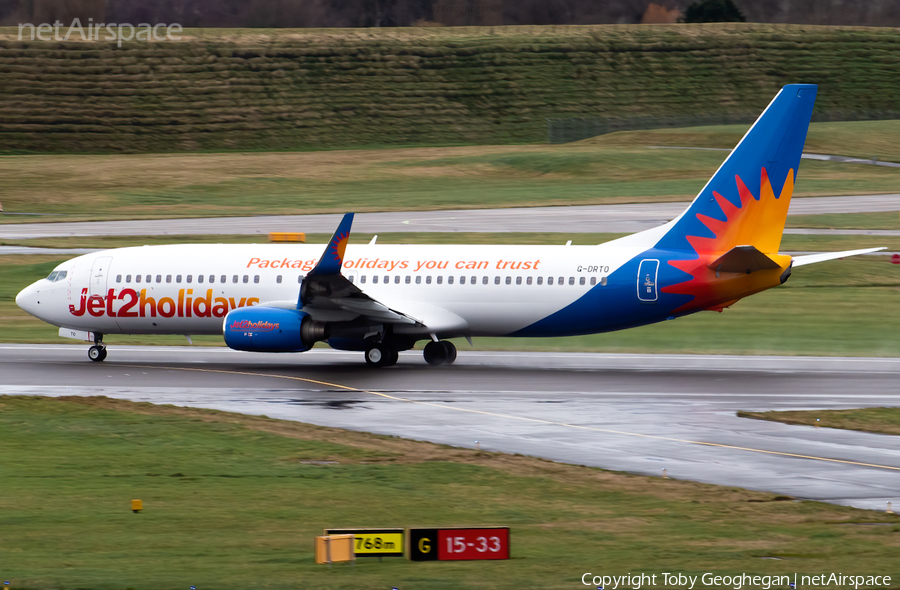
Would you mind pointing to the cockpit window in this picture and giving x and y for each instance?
(57, 275)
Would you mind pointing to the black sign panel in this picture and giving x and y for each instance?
(422, 544)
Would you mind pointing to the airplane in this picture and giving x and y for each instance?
(382, 299)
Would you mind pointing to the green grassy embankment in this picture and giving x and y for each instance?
(235, 501)
(842, 307)
(619, 168)
(304, 89)
(880, 420)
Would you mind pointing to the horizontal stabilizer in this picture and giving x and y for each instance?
(813, 258)
(744, 259)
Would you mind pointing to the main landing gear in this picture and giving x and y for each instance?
(379, 355)
(98, 351)
(439, 353)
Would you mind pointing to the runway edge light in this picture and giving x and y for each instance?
(137, 506)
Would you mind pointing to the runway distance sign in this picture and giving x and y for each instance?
(374, 542)
(458, 543)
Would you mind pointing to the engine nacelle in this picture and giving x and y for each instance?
(270, 329)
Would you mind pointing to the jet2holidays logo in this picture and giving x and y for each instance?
(91, 31)
(736, 582)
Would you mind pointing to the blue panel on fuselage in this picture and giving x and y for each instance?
(616, 306)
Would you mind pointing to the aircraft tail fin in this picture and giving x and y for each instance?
(746, 200)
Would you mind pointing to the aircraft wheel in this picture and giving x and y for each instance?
(97, 353)
(450, 350)
(436, 353)
(392, 357)
(377, 355)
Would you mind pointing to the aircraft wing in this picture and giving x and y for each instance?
(328, 295)
(813, 258)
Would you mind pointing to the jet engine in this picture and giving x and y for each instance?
(270, 329)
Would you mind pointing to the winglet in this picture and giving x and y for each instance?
(332, 259)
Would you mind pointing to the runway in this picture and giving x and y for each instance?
(583, 219)
(635, 413)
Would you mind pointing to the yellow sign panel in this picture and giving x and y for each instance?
(378, 543)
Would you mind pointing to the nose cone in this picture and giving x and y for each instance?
(27, 299)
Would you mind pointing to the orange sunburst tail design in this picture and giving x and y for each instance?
(734, 210)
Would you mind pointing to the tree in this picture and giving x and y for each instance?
(713, 11)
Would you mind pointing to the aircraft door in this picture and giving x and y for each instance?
(648, 272)
(98, 275)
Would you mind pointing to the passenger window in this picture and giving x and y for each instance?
(408, 279)
(351, 279)
(278, 279)
(300, 278)
(518, 280)
(571, 280)
(149, 278)
(374, 279)
(199, 278)
(168, 278)
(484, 280)
(118, 278)
(528, 281)
(246, 279)
(234, 279)
(212, 278)
(462, 280)
(428, 280)
(177, 278)
(440, 279)
(602, 281)
(137, 279)
(189, 278)
(223, 279)
(581, 281)
(496, 280)
(362, 279)
(509, 280)
(158, 278)
(397, 280)
(419, 280)
(255, 278)
(561, 281)
(387, 279)
(593, 281)
(549, 280)
(450, 280)
(540, 281)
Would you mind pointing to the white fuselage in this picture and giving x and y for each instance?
(188, 289)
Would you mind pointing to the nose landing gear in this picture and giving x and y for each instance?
(98, 351)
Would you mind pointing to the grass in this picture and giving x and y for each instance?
(878, 420)
(88, 187)
(311, 89)
(860, 139)
(856, 296)
(230, 500)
